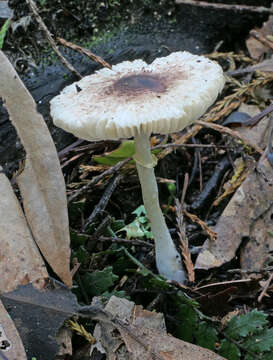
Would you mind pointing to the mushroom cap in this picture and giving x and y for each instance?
(134, 97)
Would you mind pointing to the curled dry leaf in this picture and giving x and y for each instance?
(144, 335)
(10, 343)
(41, 183)
(257, 47)
(247, 216)
(20, 260)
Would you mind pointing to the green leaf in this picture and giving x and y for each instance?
(267, 356)
(229, 350)
(140, 211)
(3, 32)
(206, 336)
(133, 230)
(124, 151)
(140, 227)
(98, 282)
(188, 321)
(117, 225)
(81, 254)
(77, 239)
(243, 325)
(261, 342)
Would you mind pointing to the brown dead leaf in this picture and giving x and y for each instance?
(242, 214)
(255, 254)
(248, 215)
(20, 260)
(144, 335)
(162, 346)
(256, 47)
(10, 343)
(41, 183)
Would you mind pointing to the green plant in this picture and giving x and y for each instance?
(248, 334)
(3, 32)
(140, 227)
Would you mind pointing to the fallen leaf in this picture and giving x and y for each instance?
(41, 183)
(38, 316)
(248, 216)
(252, 201)
(255, 255)
(124, 151)
(216, 296)
(20, 260)
(10, 343)
(255, 47)
(144, 336)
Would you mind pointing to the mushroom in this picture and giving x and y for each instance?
(134, 99)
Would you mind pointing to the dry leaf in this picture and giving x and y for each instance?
(39, 314)
(20, 260)
(248, 215)
(145, 336)
(10, 343)
(162, 346)
(240, 218)
(41, 183)
(64, 339)
(254, 256)
(257, 48)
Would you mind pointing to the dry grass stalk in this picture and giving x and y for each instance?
(235, 134)
(212, 234)
(184, 245)
(84, 51)
(80, 330)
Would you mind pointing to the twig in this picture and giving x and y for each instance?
(122, 241)
(204, 226)
(266, 286)
(259, 36)
(225, 130)
(84, 51)
(49, 37)
(257, 9)
(68, 148)
(103, 201)
(184, 246)
(175, 145)
(256, 118)
(96, 179)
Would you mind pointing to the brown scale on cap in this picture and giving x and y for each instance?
(142, 83)
(131, 84)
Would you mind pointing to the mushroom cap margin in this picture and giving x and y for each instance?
(133, 97)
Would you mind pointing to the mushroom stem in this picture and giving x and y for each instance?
(168, 260)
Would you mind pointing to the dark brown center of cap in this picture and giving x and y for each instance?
(139, 83)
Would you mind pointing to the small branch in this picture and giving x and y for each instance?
(118, 240)
(184, 245)
(96, 179)
(259, 36)
(266, 286)
(103, 201)
(84, 51)
(49, 37)
(235, 134)
(205, 4)
(174, 145)
(204, 226)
